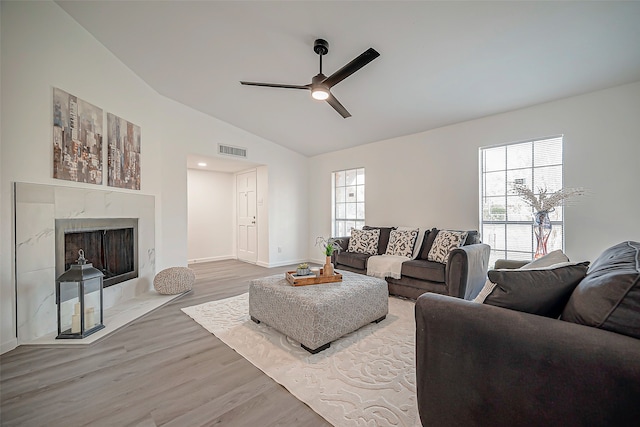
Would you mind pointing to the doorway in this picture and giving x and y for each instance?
(246, 184)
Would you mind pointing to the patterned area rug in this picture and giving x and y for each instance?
(366, 378)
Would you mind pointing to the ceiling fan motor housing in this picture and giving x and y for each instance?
(321, 47)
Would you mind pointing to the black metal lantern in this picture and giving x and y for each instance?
(79, 298)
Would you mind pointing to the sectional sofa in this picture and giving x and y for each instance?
(465, 267)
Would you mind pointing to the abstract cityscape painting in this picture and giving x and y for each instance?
(77, 139)
(123, 139)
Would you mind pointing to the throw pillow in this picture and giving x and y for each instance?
(401, 242)
(547, 260)
(543, 291)
(445, 241)
(385, 233)
(554, 257)
(609, 297)
(364, 241)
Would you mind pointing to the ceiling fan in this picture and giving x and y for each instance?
(321, 85)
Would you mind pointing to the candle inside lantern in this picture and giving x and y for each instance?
(75, 323)
(89, 317)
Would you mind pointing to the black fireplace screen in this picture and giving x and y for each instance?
(110, 251)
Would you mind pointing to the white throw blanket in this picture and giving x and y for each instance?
(385, 266)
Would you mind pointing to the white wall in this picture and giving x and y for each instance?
(430, 179)
(43, 48)
(211, 215)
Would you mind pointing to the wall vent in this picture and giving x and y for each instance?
(228, 150)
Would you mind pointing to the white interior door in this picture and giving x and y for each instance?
(247, 235)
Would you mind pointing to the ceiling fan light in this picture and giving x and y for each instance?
(320, 93)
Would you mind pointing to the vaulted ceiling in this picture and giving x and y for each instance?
(440, 62)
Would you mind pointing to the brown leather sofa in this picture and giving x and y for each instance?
(483, 365)
(466, 267)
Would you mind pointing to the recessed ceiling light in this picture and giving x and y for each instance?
(202, 164)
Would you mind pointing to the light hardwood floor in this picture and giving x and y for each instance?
(160, 370)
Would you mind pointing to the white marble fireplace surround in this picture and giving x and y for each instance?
(37, 206)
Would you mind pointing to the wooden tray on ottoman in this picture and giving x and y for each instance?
(311, 280)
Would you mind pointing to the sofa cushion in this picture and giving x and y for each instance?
(402, 242)
(364, 241)
(427, 243)
(424, 270)
(385, 233)
(473, 238)
(554, 257)
(543, 291)
(353, 260)
(609, 297)
(445, 241)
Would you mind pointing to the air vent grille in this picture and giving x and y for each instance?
(228, 150)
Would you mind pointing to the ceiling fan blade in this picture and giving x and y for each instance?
(353, 66)
(338, 107)
(277, 85)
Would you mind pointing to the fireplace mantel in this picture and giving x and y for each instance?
(37, 207)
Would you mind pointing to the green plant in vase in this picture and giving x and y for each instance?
(330, 246)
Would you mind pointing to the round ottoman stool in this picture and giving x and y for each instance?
(174, 280)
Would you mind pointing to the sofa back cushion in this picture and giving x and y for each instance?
(473, 238)
(427, 242)
(364, 241)
(385, 233)
(609, 296)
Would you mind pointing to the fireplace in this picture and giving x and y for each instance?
(111, 245)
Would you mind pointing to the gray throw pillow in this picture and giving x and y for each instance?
(554, 257)
(609, 297)
(542, 291)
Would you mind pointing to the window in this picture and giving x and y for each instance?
(347, 187)
(506, 220)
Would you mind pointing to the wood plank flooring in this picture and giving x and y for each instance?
(160, 370)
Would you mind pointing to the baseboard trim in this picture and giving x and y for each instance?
(8, 345)
(292, 262)
(213, 258)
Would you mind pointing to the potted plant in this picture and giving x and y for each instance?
(330, 246)
(303, 269)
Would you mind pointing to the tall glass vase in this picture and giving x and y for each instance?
(542, 231)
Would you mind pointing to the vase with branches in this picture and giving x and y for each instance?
(542, 204)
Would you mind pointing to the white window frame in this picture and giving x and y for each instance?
(500, 243)
(351, 218)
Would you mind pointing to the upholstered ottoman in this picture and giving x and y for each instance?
(315, 315)
(174, 280)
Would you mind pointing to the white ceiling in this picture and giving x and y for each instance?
(441, 62)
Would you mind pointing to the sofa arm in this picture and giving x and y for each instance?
(479, 365)
(466, 270)
(343, 242)
(509, 263)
